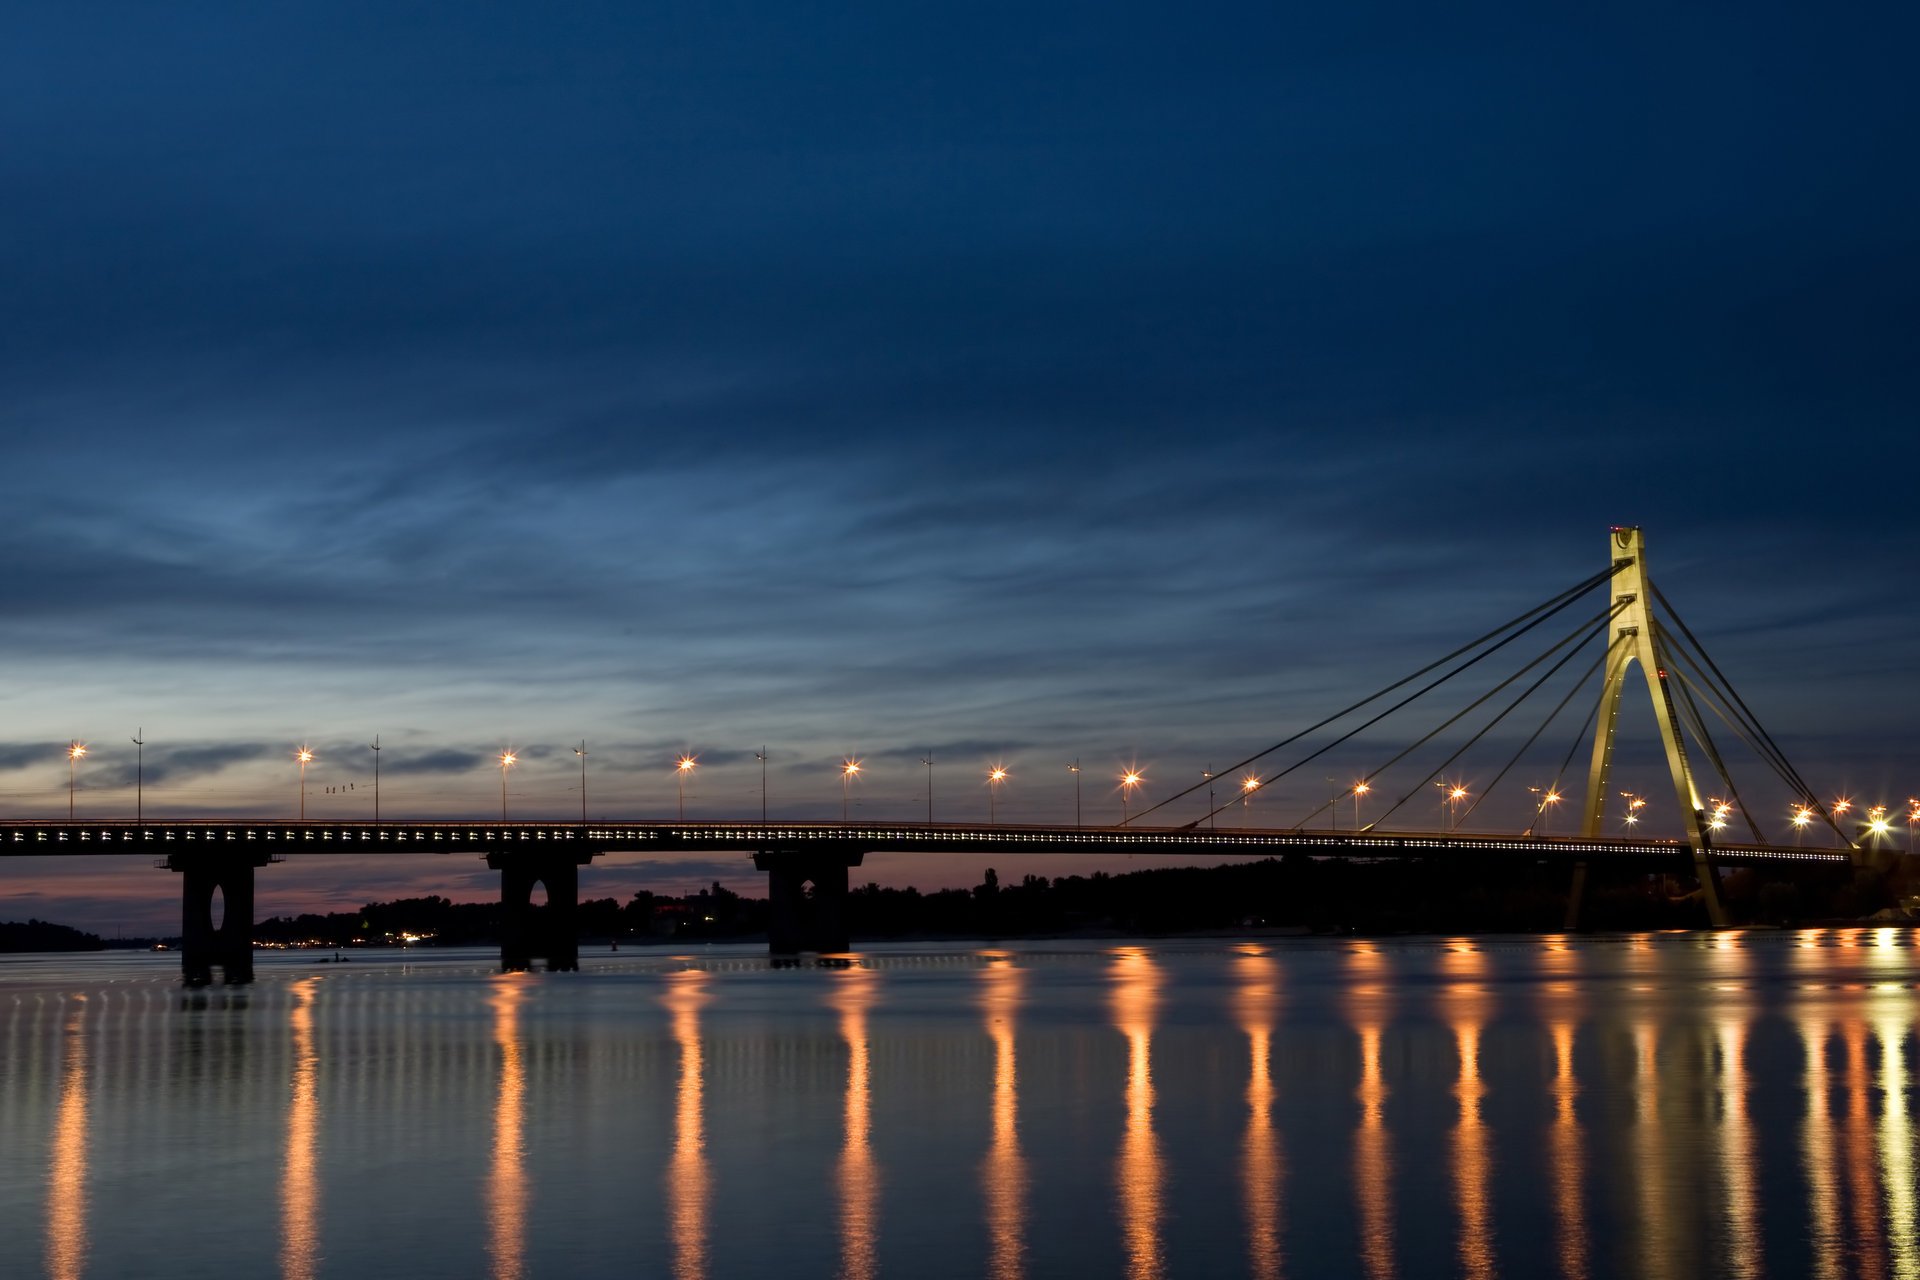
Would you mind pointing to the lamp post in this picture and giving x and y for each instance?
(682, 768)
(1544, 810)
(761, 756)
(927, 760)
(581, 751)
(1248, 785)
(139, 773)
(1451, 794)
(1074, 769)
(1206, 775)
(1913, 820)
(1802, 819)
(1634, 805)
(75, 750)
(1360, 789)
(995, 776)
(1128, 781)
(507, 761)
(374, 747)
(305, 756)
(849, 770)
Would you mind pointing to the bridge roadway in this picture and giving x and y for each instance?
(806, 863)
(592, 839)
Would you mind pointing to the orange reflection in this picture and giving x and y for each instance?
(1263, 1173)
(1896, 1141)
(854, 992)
(1139, 1175)
(1467, 1002)
(507, 1187)
(299, 1183)
(1862, 1176)
(1372, 1144)
(1569, 1198)
(67, 1163)
(1003, 1176)
(1737, 1152)
(688, 1180)
(1652, 1154)
(1816, 1148)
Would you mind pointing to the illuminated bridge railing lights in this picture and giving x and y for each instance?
(647, 836)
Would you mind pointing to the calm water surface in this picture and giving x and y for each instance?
(1669, 1106)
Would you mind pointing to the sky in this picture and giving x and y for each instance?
(1018, 384)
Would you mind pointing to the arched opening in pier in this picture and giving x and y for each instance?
(217, 908)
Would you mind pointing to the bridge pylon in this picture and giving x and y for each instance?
(1635, 641)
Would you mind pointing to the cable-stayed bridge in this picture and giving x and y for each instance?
(1625, 623)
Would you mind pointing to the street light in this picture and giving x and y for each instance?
(1128, 781)
(927, 760)
(761, 756)
(1802, 819)
(305, 756)
(374, 746)
(683, 767)
(507, 761)
(1206, 775)
(1248, 785)
(139, 772)
(1360, 789)
(849, 770)
(1913, 820)
(1544, 810)
(1634, 805)
(581, 751)
(74, 751)
(1451, 794)
(995, 776)
(1074, 769)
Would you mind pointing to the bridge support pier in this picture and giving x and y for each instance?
(527, 932)
(202, 944)
(803, 920)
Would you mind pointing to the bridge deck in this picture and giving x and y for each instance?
(590, 839)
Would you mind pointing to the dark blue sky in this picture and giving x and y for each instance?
(1116, 382)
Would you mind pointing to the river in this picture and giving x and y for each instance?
(1670, 1106)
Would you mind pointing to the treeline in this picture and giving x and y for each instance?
(40, 935)
(1315, 894)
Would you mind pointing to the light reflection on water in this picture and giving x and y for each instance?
(300, 1186)
(1003, 1174)
(854, 992)
(507, 1187)
(67, 1162)
(1256, 1004)
(1730, 1106)
(687, 1179)
(1138, 1175)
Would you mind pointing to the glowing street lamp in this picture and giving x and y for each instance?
(1802, 819)
(1451, 794)
(74, 751)
(1721, 808)
(683, 769)
(1913, 820)
(927, 760)
(995, 776)
(1360, 789)
(305, 756)
(1878, 824)
(1128, 781)
(1634, 805)
(849, 770)
(1248, 785)
(1544, 810)
(507, 761)
(1074, 769)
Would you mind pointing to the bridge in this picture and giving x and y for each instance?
(807, 863)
